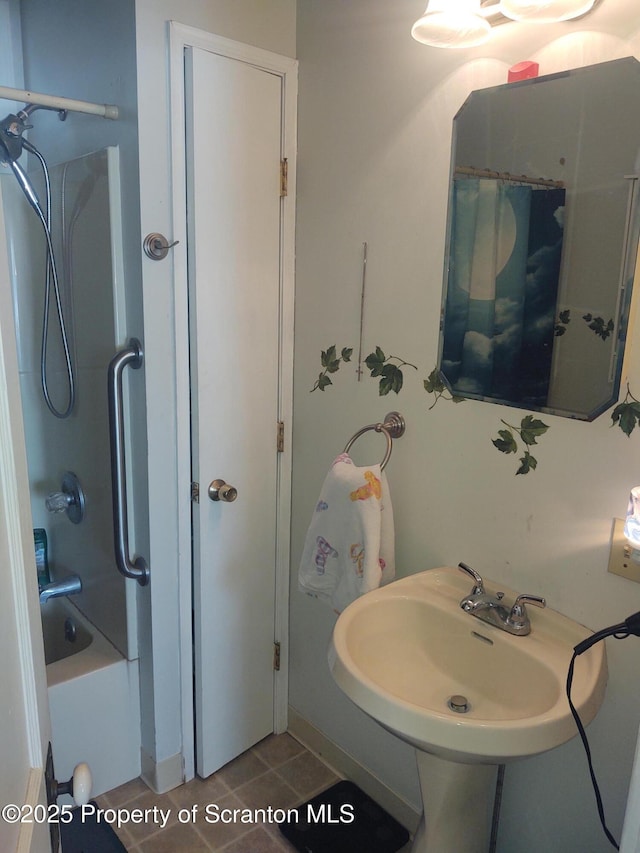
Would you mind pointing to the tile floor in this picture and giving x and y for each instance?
(277, 772)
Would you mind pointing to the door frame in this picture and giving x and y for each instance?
(181, 37)
(24, 658)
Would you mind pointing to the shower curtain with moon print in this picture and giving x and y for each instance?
(504, 266)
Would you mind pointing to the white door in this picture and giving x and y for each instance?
(24, 713)
(234, 145)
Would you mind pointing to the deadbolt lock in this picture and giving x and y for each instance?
(221, 491)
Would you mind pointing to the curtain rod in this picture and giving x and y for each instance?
(506, 176)
(55, 103)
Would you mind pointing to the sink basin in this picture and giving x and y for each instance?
(401, 652)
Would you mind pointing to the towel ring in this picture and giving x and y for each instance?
(392, 427)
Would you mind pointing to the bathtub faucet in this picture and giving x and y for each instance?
(56, 589)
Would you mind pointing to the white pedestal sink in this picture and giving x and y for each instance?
(401, 652)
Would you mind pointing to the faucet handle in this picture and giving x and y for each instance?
(478, 588)
(518, 615)
(530, 599)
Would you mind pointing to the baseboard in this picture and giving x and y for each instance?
(348, 767)
(33, 834)
(161, 776)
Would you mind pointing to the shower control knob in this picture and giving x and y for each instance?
(58, 501)
(70, 499)
(221, 491)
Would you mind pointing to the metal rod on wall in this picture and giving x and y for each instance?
(364, 282)
(506, 176)
(54, 102)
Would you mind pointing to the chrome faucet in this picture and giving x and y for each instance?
(56, 589)
(489, 608)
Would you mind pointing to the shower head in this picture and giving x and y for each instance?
(11, 143)
(14, 125)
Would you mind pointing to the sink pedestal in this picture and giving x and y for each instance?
(458, 801)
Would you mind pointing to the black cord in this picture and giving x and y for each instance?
(630, 626)
(583, 736)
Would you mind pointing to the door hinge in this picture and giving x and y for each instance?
(284, 177)
(276, 657)
(280, 437)
(195, 492)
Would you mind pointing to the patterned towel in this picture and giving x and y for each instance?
(349, 548)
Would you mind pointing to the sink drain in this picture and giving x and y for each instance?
(459, 704)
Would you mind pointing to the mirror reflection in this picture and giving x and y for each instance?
(542, 240)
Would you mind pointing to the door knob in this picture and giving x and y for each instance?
(221, 491)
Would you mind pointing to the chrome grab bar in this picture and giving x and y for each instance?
(138, 569)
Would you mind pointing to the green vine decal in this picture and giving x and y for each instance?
(530, 430)
(564, 318)
(388, 368)
(597, 325)
(330, 360)
(391, 377)
(436, 384)
(626, 414)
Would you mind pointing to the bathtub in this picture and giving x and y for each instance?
(93, 699)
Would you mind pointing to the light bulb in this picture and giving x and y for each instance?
(545, 11)
(632, 522)
(452, 23)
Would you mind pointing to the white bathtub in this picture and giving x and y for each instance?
(93, 699)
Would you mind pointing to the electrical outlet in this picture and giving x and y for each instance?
(620, 562)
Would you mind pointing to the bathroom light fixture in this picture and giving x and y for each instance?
(545, 11)
(632, 524)
(452, 23)
(468, 23)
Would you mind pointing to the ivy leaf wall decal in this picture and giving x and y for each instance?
(391, 376)
(527, 463)
(532, 428)
(506, 442)
(626, 414)
(330, 360)
(598, 325)
(564, 318)
(437, 385)
(529, 431)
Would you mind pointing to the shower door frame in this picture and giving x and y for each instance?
(182, 37)
(26, 731)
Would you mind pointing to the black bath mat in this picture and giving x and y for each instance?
(343, 819)
(89, 836)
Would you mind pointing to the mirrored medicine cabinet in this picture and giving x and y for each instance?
(542, 238)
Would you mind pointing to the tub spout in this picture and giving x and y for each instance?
(56, 589)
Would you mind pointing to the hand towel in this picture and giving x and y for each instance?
(349, 547)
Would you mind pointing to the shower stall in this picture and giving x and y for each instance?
(111, 292)
(64, 234)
